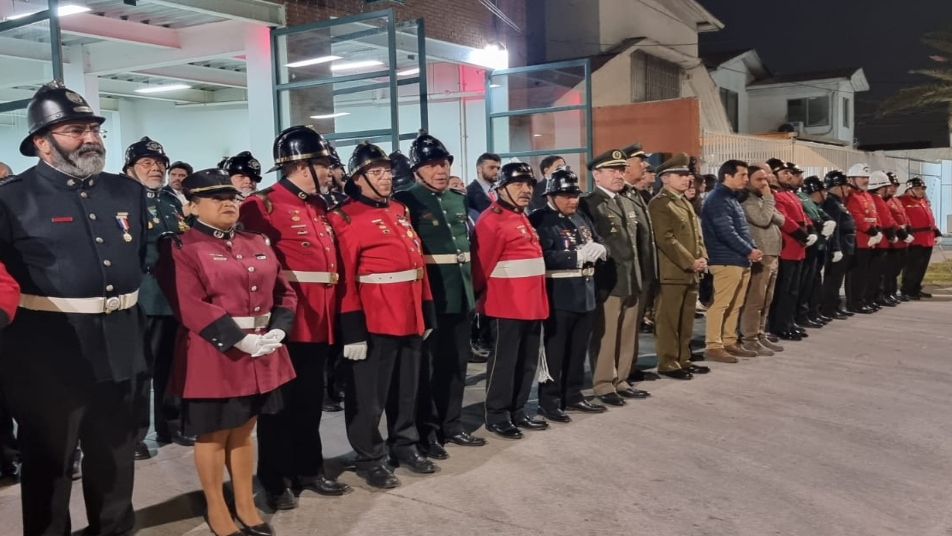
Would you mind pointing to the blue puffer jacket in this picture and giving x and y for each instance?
(726, 235)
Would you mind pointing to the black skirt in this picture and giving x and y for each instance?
(207, 415)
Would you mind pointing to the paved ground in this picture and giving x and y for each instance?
(845, 433)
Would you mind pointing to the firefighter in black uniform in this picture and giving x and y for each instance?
(74, 238)
(842, 244)
(565, 235)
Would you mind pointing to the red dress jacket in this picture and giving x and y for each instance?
(886, 221)
(376, 238)
(898, 215)
(210, 279)
(303, 241)
(794, 226)
(861, 205)
(921, 221)
(9, 297)
(503, 235)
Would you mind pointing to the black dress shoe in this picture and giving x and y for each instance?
(698, 369)
(325, 486)
(925, 295)
(790, 335)
(142, 451)
(505, 430)
(414, 461)
(772, 338)
(886, 303)
(678, 374)
(554, 415)
(466, 440)
(77, 471)
(808, 323)
(903, 297)
(586, 407)
(634, 393)
(612, 399)
(331, 407)
(637, 375)
(530, 424)
(696, 357)
(434, 450)
(840, 316)
(379, 476)
(860, 310)
(261, 529)
(824, 318)
(281, 500)
(845, 312)
(176, 437)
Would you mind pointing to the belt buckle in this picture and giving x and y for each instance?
(112, 304)
(461, 258)
(334, 278)
(261, 322)
(419, 274)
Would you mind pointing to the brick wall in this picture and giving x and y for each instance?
(464, 22)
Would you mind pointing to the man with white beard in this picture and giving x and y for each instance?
(74, 239)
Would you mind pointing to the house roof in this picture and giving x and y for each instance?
(833, 74)
(713, 60)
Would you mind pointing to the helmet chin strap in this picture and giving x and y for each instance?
(506, 191)
(317, 184)
(371, 185)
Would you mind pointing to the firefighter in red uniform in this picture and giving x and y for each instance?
(9, 299)
(235, 307)
(796, 240)
(386, 311)
(900, 248)
(923, 230)
(294, 216)
(509, 273)
(882, 255)
(868, 234)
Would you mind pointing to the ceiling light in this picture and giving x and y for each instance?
(494, 85)
(537, 135)
(63, 11)
(161, 89)
(312, 61)
(346, 66)
(408, 72)
(330, 116)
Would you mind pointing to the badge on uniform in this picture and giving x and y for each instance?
(260, 256)
(218, 257)
(122, 218)
(586, 233)
(381, 225)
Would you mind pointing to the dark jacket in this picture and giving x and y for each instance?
(477, 199)
(560, 236)
(844, 236)
(615, 220)
(724, 225)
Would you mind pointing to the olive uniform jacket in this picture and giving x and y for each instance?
(615, 221)
(678, 237)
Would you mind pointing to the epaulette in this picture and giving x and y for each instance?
(495, 209)
(173, 236)
(9, 179)
(340, 213)
(263, 196)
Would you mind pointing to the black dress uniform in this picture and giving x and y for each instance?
(843, 240)
(68, 364)
(571, 290)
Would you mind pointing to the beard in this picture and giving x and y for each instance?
(88, 159)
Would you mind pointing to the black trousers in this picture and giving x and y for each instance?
(914, 271)
(386, 380)
(874, 282)
(833, 275)
(334, 373)
(895, 260)
(160, 339)
(443, 378)
(784, 308)
(808, 272)
(511, 368)
(567, 335)
(858, 278)
(289, 442)
(53, 414)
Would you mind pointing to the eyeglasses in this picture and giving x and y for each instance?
(147, 163)
(379, 172)
(77, 132)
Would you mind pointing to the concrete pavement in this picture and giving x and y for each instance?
(845, 433)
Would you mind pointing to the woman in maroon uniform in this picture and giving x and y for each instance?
(235, 308)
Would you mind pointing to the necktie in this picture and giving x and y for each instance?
(492, 195)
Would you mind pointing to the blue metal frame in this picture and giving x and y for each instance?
(586, 107)
(393, 133)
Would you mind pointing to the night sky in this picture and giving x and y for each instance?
(812, 35)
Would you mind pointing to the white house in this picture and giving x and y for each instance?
(816, 105)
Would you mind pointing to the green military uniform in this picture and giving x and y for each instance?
(680, 243)
(816, 215)
(165, 215)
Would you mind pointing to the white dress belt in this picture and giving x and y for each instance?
(519, 268)
(447, 258)
(392, 277)
(297, 276)
(561, 274)
(252, 322)
(91, 306)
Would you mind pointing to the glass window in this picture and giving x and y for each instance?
(812, 112)
(342, 50)
(846, 113)
(538, 89)
(730, 101)
(654, 78)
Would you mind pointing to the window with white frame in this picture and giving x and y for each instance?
(812, 111)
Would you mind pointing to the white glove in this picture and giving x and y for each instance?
(812, 239)
(837, 256)
(828, 227)
(356, 351)
(893, 240)
(276, 335)
(586, 253)
(909, 238)
(257, 345)
(600, 251)
(427, 333)
(875, 239)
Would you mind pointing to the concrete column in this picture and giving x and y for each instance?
(260, 95)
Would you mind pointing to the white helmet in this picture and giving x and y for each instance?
(877, 180)
(858, 170)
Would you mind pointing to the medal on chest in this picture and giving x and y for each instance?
(586, 233)
(122, 218)
(569, 240)
(381, 225)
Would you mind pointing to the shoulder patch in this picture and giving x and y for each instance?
(495, 209)
(340, 213)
